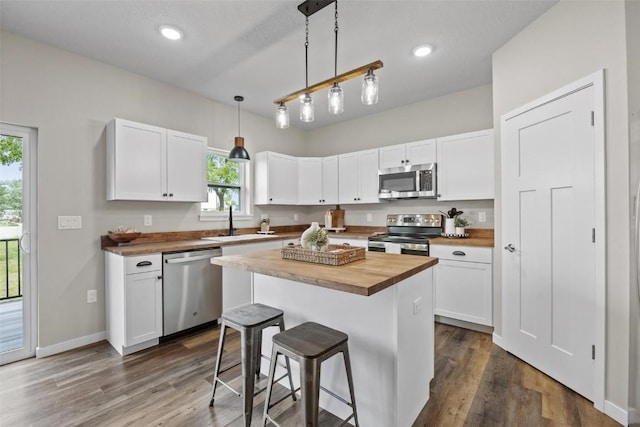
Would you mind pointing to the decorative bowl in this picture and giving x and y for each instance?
(124, 237)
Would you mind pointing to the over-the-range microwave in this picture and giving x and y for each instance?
(407, 182)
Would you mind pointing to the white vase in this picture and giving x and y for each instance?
(449, 226)
(460, 231)
(303, 239)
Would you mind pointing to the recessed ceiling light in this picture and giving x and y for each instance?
(422, 50)
(172, 33)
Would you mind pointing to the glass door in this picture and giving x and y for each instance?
(17, 243)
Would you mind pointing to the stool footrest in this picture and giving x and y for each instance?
(228, 386)
(336, 396)
(282, 399)
(222, 371)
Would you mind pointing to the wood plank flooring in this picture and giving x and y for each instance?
(475, 384)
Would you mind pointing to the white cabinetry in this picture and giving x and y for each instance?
(276, 179)
(463, 283)
(147, 162)
(318, 180)
(236, 284)
(465, 166)
(358, 173)
(133, 301)
(412, 153)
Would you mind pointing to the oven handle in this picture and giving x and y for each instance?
(189, 259)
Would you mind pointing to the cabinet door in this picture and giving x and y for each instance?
(136, 161)
(421, 152)
(368, 175)
(348, 181)
(465, 166)
(283, 179)
(392, 156)
(330, 180)
(186, 167)
(143, 307)
(351, 242)
(309, 180)
(464, 291)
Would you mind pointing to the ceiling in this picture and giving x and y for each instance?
(256, 48)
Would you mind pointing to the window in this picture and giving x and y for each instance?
(226, 185)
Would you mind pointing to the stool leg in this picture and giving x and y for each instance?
(248, 343)
(310, 391)
(286, 361)
(223, 331)
(347, 365)
(272, 371)
(258, 346)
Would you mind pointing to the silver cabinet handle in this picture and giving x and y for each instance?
(458, 253)
(510, 248)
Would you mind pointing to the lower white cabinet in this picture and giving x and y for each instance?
(352, 242)
(236, 284)
(133, 301)
(463, 283)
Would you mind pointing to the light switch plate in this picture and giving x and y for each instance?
(369, 217)
(92, 295)
(482, 216)
(69, 222)
(148, 220)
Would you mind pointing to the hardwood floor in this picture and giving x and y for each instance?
(476, 384)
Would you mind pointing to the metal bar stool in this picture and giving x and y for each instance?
(250, 320)
(310, 344)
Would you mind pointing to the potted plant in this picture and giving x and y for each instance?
(460, 224)
(317, 239)
(451, 215)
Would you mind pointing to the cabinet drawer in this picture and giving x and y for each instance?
(143, 263)
(461, 253)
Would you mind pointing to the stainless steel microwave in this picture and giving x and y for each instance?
(407, 182)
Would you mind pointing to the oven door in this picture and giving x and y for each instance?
(375, 246)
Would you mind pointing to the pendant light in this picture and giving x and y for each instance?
(239, 153)
(335, 95)
(306, 103)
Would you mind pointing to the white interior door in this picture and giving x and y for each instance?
(18, 300)
(549, 217)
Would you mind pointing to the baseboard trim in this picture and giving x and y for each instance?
(634, 417)
(616, 412)
(70, 345)
(499, 341)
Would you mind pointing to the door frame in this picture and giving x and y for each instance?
(30, 272)
(595, 80)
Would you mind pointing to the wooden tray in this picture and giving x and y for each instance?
(335, 255)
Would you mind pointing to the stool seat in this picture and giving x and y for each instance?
(310, 340)
(251, 315)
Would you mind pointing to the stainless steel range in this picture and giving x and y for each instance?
(407, 234)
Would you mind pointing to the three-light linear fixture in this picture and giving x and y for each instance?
(335, 95)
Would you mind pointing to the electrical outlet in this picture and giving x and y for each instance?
(69, 222)
(92, 296)
(417, 305)
(369, 217)
(295, 217)
(148, 220)
(264, 216)
(482, 216)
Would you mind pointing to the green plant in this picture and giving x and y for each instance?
(317, 238)
(461, 222)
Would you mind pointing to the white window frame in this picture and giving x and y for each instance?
(245, 193)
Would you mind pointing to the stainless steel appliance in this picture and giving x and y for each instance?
(407, 182)
(407, 234)
(191, 289)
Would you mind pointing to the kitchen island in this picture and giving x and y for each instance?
(384, 303)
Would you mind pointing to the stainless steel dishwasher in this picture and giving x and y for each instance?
(191, 289)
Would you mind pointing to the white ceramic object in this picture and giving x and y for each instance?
(460, 231)
(449, 226)
(303, 238)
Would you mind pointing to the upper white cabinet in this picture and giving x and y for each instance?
(276, 179)
(318, 180)
(412, 153)
(147, 162)
(358, 174)
(465, 166)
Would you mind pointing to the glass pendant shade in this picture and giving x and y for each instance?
(282, 117)
(370, 89)
(336, 99)
(306, 108)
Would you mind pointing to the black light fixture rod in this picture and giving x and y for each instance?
(335, 62)
(306, 52)
(238, 99)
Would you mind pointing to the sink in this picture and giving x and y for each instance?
(241, 237)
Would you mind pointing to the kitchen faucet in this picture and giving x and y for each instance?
(230, 221)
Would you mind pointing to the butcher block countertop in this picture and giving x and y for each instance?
(376, 272)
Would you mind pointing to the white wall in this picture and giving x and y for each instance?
(570, 41)
(633, 75)
(69, 99)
